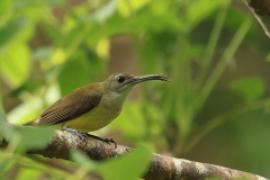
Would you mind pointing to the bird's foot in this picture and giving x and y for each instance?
(106, 140)
(84, 135)
(110, 141)
(81, 135)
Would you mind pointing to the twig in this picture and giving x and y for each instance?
(259, 20)
(161, 166)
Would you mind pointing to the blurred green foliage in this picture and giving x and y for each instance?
(48, 48)
(118, 168)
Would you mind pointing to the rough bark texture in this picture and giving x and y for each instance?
(161, 167)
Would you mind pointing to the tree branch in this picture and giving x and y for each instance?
(161, 166)
(257, 8)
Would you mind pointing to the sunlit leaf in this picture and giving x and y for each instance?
(124, 7)
(30, 109)
(103, 48)
(138, 4)
(15, 54)
(28, 173)
(15, 64)
(58, 56)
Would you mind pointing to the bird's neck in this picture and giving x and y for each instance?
(113, 99)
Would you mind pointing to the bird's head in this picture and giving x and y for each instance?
(123, 82)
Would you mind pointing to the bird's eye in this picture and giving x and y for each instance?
(120, 79)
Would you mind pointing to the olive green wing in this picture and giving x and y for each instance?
(71, 106)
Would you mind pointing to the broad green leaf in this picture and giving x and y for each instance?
(14, 50)
(15, 63)
(130, 166)
(119, 167)
(25, 138)
(249, 88)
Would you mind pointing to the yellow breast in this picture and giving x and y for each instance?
(100, 116)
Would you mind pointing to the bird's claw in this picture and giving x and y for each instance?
(110, 141)
(75, 132)
(84, 135)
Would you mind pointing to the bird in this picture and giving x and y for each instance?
(95, 105)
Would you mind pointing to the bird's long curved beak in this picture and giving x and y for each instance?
(139, 79)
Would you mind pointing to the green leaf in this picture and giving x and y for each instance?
(106, 11)
(28, 173)
(10, 30)
(249, 88)
(86, 69)
(5, 129)
(29, 110)
(5, 163)
(68, 77)
(15, 63)
(120, 168)
(25, 138)
(5, 13)
(135, 126)
(83, 160)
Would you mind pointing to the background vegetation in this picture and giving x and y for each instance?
(216, 107)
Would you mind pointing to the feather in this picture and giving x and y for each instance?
(72, 105)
